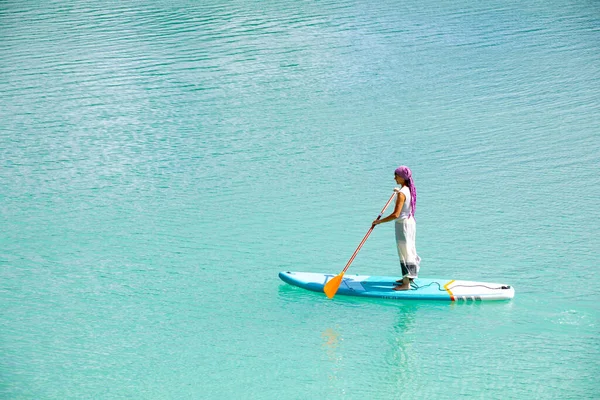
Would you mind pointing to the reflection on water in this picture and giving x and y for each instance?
(395, 360)
(331, 341)
(399, 352)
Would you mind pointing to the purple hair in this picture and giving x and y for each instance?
(405, 173)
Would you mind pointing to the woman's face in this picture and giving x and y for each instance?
(399, 181)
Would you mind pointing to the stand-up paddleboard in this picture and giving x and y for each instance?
(421, 289)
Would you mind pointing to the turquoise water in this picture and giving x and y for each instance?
(161, 162)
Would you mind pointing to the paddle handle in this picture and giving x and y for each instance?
(367, 235)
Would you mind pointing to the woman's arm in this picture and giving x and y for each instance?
(396, 213)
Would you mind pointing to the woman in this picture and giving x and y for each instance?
(405, 226)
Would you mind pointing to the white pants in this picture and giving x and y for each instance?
(406, 231)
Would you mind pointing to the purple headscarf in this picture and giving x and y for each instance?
(405, 173)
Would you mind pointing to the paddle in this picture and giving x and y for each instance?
(331, 287)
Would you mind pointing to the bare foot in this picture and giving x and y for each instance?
(401, 287)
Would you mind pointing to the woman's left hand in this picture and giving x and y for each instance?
(376, 222)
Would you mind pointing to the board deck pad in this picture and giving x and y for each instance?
(421, 289)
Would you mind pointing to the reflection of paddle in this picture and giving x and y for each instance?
(331, 287)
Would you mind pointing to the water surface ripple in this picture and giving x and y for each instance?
(161, 162)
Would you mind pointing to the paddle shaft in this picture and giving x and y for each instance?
(367, 235)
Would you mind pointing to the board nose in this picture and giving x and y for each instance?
(285, 276)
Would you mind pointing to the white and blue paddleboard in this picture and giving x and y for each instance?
(421, 289)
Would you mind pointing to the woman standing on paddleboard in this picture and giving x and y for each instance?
(403, 214)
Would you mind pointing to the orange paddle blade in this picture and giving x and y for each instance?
(331, 287)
